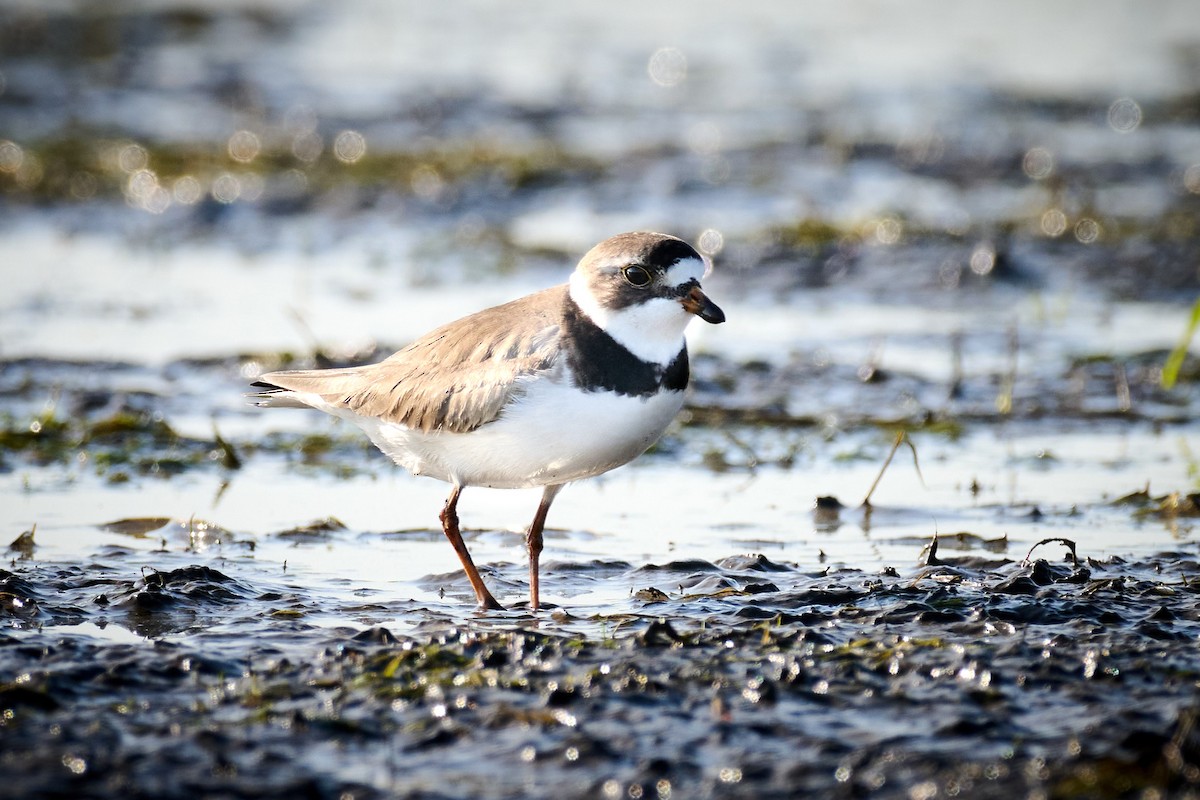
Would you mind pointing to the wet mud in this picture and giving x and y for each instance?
(974, 677)
(181, 659)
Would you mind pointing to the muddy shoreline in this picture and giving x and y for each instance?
(990, 680)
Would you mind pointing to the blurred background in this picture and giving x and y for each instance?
(178, 178)
(920, 214)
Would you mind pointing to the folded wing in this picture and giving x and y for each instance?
(453, 379)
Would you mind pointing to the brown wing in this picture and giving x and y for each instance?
(455, 378)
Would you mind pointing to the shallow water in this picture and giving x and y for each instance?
(975, 226)
(1030, 485)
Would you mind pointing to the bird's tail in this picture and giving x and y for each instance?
(307, 388)
(271, 396)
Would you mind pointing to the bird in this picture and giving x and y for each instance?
(554, 387)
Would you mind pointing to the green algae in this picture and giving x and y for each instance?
(82, 166)
(141, 442)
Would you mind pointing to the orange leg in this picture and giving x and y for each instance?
(449, 517)
(533, 541)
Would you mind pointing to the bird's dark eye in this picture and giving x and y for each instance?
(636, 275)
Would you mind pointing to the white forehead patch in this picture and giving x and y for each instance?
(684, 270)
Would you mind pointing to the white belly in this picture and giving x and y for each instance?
(553, 434)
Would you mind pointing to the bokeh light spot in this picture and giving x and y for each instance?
(132, 157)
(11, 156)
(140, 184)
(1124, 115)
(426, 183)
(83, 185)
(983, 260)
(888, 230)
(926, 790)
(1038, 163)
(75, 764)
(1087, 230)
(307, 146)
(1191, 179)
(158, 201)
(668, 67)
(730, 775)
(142, 190)
(30, 173)
(949, 274)
(226, 188)
(294, 182)
(252, 187)
(243, 147)
(349, 147)
(187, 190)
(1054, 223)
(710, 242)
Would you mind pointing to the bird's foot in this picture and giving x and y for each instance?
(489, 603)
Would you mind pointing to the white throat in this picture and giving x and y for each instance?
(652, 331)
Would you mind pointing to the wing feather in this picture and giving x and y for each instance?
(455, 378)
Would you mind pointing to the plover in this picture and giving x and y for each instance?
(560, 385)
